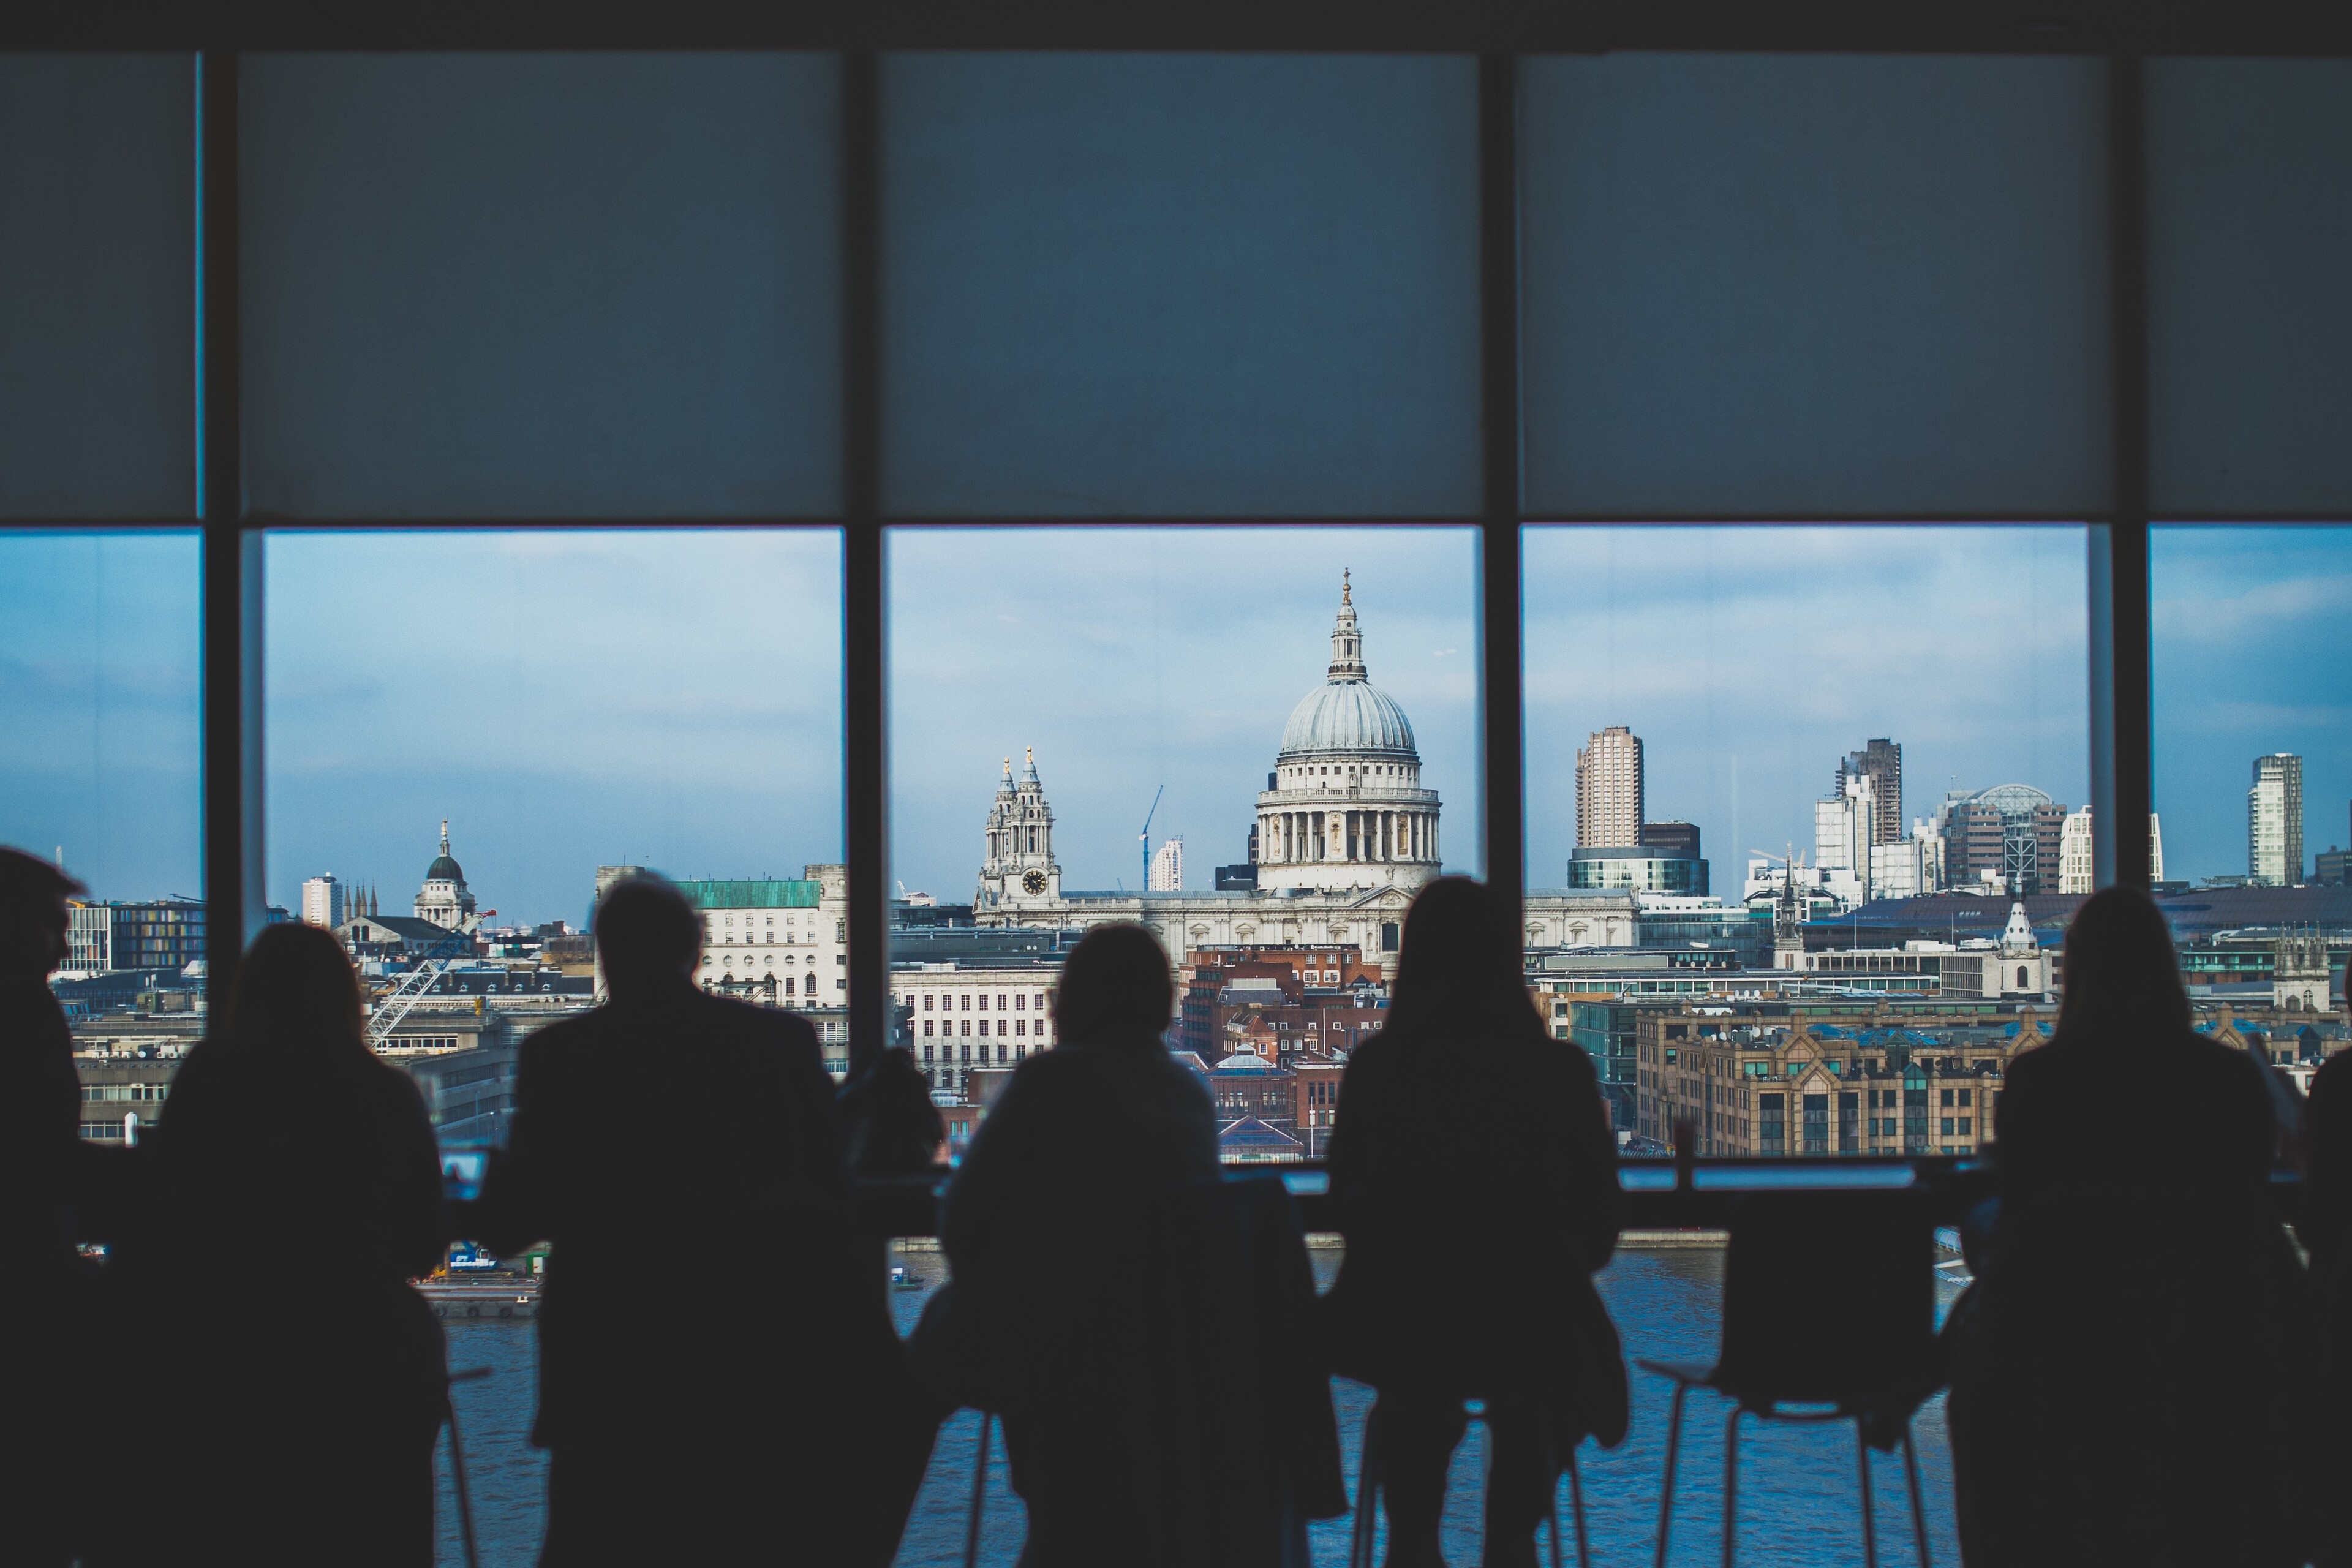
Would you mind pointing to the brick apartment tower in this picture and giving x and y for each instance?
(1609, 803)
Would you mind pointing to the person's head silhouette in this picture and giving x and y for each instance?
(1115, 989)
(1461, 957)
(2122, 977)
(33, 919)
(648, 936)
(296, 985)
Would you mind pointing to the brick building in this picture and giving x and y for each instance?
(1778, 1078)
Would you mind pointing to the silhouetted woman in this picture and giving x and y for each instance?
(297, 1192)
(1474, 1175)
(2119, 1383)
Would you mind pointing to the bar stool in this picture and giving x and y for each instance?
(1368, 1482)
(1827, 1303)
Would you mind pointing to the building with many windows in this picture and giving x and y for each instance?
(160, 934)
(2275, 822)
(1608, 789)
(784, 941)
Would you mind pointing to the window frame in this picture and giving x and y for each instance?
(2120, 740)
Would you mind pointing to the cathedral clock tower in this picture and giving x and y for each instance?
(1019, 872)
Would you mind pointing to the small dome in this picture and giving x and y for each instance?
(1347, 716)
(443, 869)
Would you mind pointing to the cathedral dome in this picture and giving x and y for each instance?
(443, 869)
(1346, 713)
(1347, 716)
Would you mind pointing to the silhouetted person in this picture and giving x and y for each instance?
(1474, 1174)
(703, 1325)
(2327, 1231)
(1059, 1314)
(40, 1129)
(2120, 1372)
(295, 1190)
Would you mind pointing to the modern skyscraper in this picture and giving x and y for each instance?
(1167, 874)
(2274, 821)
(1881, 762)
(1608, 796)
(323, 903)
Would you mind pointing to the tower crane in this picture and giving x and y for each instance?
(1146, 836)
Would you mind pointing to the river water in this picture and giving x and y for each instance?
(1799, 1495)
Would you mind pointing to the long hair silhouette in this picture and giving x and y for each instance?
(2121, 978)
(1462, 961)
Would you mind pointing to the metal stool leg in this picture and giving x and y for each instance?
(1368, 1486)
(1731, 1487)
(1575, 1500)
(979, 1492)
(1869, 1529)
(1673, 1446)
(1918, 1503)
(457, 1462)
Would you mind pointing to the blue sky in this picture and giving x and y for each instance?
(574, 697)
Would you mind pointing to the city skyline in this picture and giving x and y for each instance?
(414, 674)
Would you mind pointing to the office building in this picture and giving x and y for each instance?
(1674, 837)
(2007, 838)
(161, 934)
(1609, 795)
(323, 902)
(780, 941)
(1880, 762)
(2275, 822)
(2076, 870)
(1632, 868)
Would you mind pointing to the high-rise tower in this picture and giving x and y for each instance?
(2274, 821)
(1880, 762)
(1609, 795)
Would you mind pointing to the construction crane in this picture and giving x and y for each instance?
(1146, 837)
(394, 1005)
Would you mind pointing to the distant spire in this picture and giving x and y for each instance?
(1347, 643)
(1029, 768)
(444, 836)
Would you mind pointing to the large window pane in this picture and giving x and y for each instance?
(100, 707)
(568, 702)
(2250, 325)
(541, 285)
(1782, 285)
(1902, 711)
(98, 370)
(2253, 717)
(1292, 711)
(1181, 285)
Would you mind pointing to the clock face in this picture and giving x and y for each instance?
(1034, 881)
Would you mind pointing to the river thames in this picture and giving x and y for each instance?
(1798, 1503)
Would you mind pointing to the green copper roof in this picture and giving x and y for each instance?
(751, 895)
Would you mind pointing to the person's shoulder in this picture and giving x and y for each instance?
(2334, 1079)
(725, 1017)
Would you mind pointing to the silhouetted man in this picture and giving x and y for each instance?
(678, 1151)
(40, 1130)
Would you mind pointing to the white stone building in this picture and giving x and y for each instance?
(444, 899)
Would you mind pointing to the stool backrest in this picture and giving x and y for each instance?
(1828, 1297)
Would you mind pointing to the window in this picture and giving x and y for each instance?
(368, 754)
(2254, 765)
(99, 751)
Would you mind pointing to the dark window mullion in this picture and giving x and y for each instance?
(1502, 722)
(231, 600)
(2122, 700)
(866, 824)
